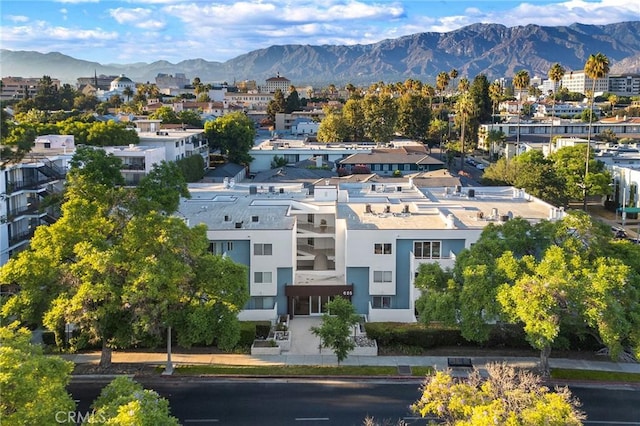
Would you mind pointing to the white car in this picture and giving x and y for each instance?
(480, 166)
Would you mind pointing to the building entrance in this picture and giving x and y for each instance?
(311, 299)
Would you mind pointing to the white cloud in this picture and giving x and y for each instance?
(33, 33)
(17, 18)
(146, 19)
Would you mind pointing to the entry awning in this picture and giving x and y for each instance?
(318, 290)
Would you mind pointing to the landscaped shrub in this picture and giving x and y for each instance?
(262, 330)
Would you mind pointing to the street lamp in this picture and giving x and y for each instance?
(168, 370)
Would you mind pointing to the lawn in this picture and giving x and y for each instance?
(295, 370)
(601, 376)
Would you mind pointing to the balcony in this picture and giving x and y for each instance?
(309, 229)
(31, 209)
(20, 237)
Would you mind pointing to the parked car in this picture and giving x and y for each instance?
(480, 166)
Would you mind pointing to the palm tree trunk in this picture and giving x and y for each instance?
(462, 144)
(586, 166)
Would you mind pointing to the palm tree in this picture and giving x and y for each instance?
(597, 66)
(613, 100)
(465, 108)
(463, 85)
(442, 81)
(495, 93)
(453, 74)
(556, 72)
(128, 92)
(520, 82)
(429, 92)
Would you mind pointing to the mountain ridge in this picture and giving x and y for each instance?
(492, 49)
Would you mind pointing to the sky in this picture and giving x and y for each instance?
(128, 31)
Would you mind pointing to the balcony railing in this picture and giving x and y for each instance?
(318, 229)
(309, 250)
(19, 185)
(21, 236)
(32, 208)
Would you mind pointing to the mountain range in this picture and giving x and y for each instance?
(491, 49)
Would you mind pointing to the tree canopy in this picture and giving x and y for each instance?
(506, 397)
(337, 323)
(33, 385)
(120, 268)
(233, 134)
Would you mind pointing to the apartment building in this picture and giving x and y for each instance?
(23, 188)
(577, 81)
(624, 84)
(18, 88)
(363, 241)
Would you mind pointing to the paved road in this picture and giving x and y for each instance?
(310, 403)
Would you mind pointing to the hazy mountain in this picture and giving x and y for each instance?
(492, 49)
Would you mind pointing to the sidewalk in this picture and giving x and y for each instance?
(438, 362)
(304, 351)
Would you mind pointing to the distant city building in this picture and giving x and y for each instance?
(247, 86)
(274, 83)
(577, 81)
(249, 101)
(98, 82)
(117, 87)
(18, 88)
(624, 84)
(168, 81)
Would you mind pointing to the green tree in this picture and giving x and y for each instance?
(380, 117)
(125, 402)
(466, 108)
(570, 165)
(128, 92)
(190, 117)
(597, 66)
(495, 94)
(33, 385)
(520, 82)
(110, 133)
(414, 116)
(121, 274)
(565, 286)
(47, 97)
(192, 168)
(353, 114)
(333, 127)
(337, 324)
(507, 397)
(233, 134)
(442, 82)
(556, 72)
(292, 102)
(166, 114)
(160, 190)
(276, 105)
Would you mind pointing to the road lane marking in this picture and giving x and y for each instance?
(201, 421)
(312, 419)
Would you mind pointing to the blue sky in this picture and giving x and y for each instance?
(148, 30)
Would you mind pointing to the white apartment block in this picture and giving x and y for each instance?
(249, 101)
(24, 186)
(361, 241)
(577, 81)
(177, 144)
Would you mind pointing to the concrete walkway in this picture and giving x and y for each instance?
(304, 351)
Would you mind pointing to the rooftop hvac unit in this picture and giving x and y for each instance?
(253, 190)
(387, 209)
(471, 193)
(458, 189)
(367, 208)
(272, 189)
(405, 209)
(281, 190)
(238, 225)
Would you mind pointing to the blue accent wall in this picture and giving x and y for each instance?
(285, 276)
(455, 246)
(359, 277)
(403, 248)
(240, 253)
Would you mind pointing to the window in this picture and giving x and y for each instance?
(212, 248)
(382, 248)
(261, 302)
(262, 249)
(381, 302)
(255, 218)
(382, 276)
(427, 249)
(262, 277)
(229, 245)
(227, 218)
